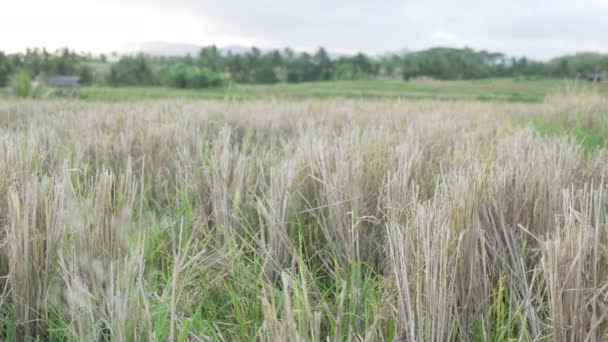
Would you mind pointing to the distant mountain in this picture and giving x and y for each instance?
(159, 48)
(162, 48)
(236, 49)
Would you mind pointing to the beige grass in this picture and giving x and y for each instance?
(301, 220)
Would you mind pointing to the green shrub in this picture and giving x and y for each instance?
(85, 73)
(589, 128)
(131, 71)
(5, 69)
(22, 83)
(182, 76)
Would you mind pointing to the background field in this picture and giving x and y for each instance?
(498, 89)
(305, 219)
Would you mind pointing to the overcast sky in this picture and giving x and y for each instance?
(537, 28)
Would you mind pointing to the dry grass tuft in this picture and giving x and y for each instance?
(304, 220)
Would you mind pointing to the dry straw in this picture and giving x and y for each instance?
(302, 220)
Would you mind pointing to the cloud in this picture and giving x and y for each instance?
(540, 29)
(443, 38)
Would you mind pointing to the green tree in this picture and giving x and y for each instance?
(364, 65)
(237, 68)
(323, 65)
(210, 58)
(66, 63)
(47, 62)
(5, 69)
(302, 69)
(450, 63)
(264, 74)
(33, 61)
(131, 71)
(180, 75)
(22, 83)
(85, 73)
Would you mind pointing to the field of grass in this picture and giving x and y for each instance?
(490, 89)
(305, 219)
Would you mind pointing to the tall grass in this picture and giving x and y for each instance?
(302, 220)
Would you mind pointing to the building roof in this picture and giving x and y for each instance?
(63, 81)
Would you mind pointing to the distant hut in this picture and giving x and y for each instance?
(8, 91)
(594, 76)
(64, 85)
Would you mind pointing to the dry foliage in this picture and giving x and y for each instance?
(301, 220)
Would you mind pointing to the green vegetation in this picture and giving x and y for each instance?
(22, 84)
(451, 64)
(132, 71)
(5, 69)
(569, 66)
(310, 220)
(586, 123)
(505, 89)
(214, 68)
(183, 76)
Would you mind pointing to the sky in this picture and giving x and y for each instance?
(539, 29)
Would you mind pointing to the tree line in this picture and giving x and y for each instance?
(212, 67)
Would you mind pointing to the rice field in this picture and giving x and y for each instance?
(491, 89)
(304, 220)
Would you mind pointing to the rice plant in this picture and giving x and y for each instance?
(304, 220)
